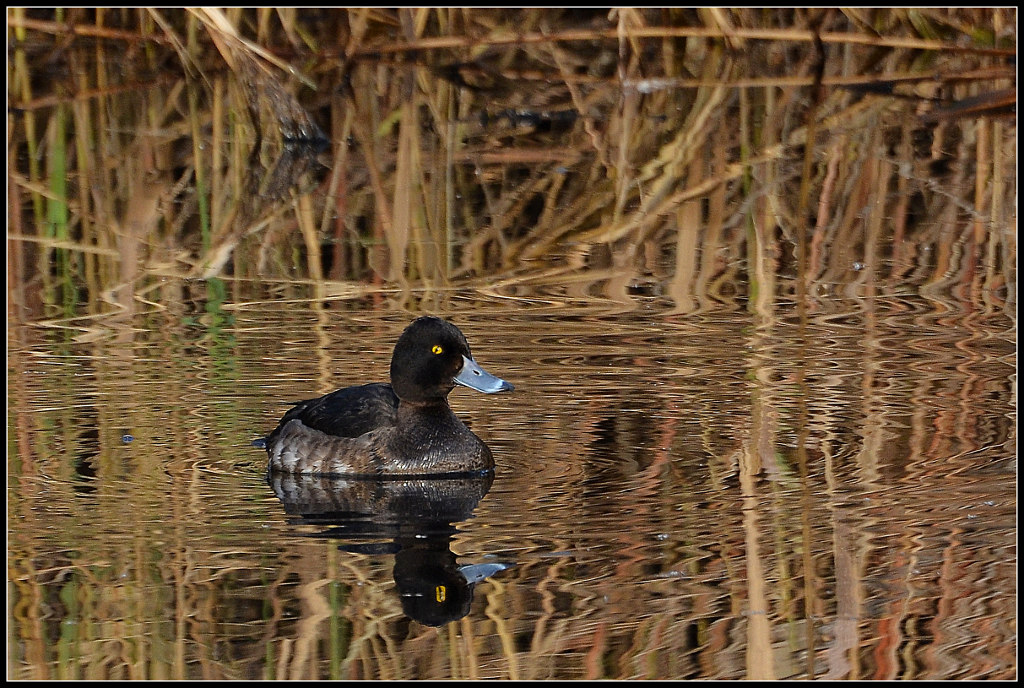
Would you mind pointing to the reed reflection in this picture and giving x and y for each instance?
(413, 519)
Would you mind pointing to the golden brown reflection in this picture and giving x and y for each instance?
(682, 497)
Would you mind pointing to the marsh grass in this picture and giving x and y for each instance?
(697, 150)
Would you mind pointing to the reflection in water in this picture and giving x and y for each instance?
(684, 497)
(418, 518)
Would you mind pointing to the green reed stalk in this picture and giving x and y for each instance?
(202, 190)
(56, 225)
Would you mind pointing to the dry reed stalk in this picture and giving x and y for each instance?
(304, 216)
(21, 84)
(711, 237)
(223, 32)
(218, 144)
(786, 35)
(688, 229)
(403, 234)
(335, 210)
(20, 22)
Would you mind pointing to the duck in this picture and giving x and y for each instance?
(404, 428)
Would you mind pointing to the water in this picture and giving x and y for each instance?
(825, 492)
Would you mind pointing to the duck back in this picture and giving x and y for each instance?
(348, 412)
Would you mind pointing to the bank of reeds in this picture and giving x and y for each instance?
(641, 150)
(702, 152)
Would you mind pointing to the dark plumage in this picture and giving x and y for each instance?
(403, 428)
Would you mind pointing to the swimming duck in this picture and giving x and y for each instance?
(403, 428)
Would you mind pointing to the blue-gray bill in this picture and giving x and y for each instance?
(474, 573)
(475, 377)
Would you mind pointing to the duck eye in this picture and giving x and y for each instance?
(437, 349)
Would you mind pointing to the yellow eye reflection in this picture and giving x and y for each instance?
(437, 349)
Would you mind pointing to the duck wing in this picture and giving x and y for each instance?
(348, 412)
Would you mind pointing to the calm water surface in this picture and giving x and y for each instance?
(825, 492)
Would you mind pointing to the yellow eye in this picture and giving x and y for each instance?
(437, 349)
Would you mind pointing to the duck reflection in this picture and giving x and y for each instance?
(414, 518)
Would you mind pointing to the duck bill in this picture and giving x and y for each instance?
(474, 573)
(475, 377)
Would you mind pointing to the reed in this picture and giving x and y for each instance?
(471, 145)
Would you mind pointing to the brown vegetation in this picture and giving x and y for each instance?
(426, 146)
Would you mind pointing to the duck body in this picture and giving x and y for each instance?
(404, 428)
